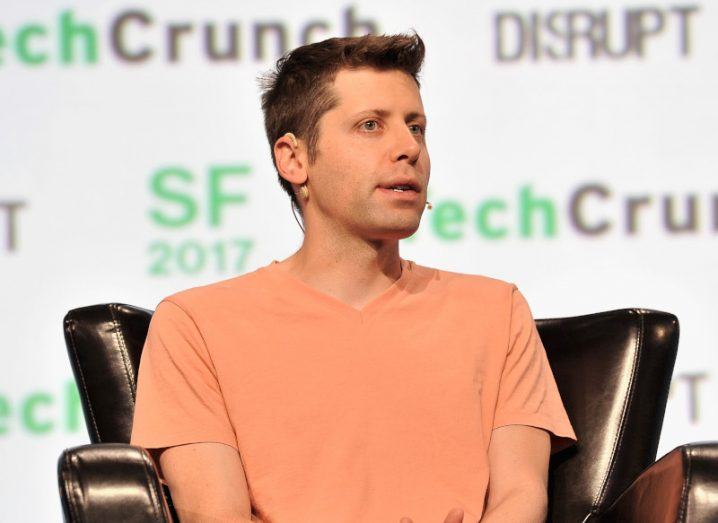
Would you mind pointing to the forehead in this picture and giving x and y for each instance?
(367, 88)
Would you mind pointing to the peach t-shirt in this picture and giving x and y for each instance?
(342, 414)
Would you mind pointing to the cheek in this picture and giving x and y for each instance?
(426, 164)
(341, 180)
(353, 172)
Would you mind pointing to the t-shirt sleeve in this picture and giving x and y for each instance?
(178, 396)
(528, 394)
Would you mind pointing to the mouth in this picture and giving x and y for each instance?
(400, 193)
(401, 186)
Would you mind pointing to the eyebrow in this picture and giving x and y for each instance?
(384, 113)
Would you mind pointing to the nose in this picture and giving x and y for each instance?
(406, 146)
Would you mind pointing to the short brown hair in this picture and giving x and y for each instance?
(297, 93)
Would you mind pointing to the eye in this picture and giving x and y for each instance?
(417, 129)
(370, 125)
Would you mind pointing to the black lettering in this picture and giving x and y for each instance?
(684, 31)
(551, 20)
(535, 33)
(690, 222)
(310, 28)
(577, 217)
(578, 30)
(279, 31)
(231, 50)
(174, 32)
(501, 54)
(609, 46)
(118, 37)
(11, 209)
(632, 206)
(692, 380)
(640, 30)
(351, 24)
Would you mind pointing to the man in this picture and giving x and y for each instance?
(345, 383)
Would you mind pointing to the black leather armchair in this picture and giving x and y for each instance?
(613, 370)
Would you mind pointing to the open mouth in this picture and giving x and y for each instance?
(402, 188)
(400, 192)
(405, 185)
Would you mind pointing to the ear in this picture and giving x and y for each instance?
(290, 159)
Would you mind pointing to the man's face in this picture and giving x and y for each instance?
(373, 138)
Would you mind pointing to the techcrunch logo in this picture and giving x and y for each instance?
(137, 36)
(592, 209)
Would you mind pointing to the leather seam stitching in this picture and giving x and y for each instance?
(686, 487)
(622, 424)
(73, 346)
(67, 486)
(123, 352)
(153, 493)
(74, 487)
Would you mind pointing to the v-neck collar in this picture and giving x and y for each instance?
(396, 288)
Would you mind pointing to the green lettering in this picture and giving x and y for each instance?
(217, 198)
(70, 30)
(5, 412)
(482, 219)
(73, 408)
(527, 205)
(2, 42)
(23, 47)
(186, 202)
(28, 413)
(447, 218)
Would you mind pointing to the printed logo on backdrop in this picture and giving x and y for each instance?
(190, 210)
(592, 34)
(690, 382)
(139, 36)
(592, 209)
(10, 211)
(41, 412)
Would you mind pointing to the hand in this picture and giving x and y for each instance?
(455, 515)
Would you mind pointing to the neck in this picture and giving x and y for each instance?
(347, 266)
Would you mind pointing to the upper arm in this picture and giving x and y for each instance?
(207, 482)
(182, 418)
(518, 460)
(179, 399)
(528, 394)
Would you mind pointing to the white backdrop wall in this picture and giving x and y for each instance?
(573, 151)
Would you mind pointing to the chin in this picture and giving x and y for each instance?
(395, 231)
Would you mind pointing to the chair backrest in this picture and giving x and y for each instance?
(104, 343)
(613, 370)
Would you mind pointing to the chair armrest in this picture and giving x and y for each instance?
(681, 486)
(111, 482)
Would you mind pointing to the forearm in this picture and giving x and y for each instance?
(191, 516)
(518, 505)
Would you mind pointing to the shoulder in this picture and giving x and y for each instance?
(217, 295)
(468, 284)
